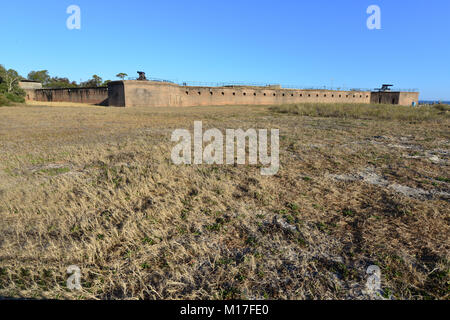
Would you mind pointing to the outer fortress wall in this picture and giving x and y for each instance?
(78, 95)
(163, 94)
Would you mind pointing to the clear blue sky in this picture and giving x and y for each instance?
(291, 42)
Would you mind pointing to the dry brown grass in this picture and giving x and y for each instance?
(95, 187)
(365, 111)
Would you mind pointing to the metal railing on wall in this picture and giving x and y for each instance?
(262, 84)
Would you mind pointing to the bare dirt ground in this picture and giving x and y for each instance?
(95, 187)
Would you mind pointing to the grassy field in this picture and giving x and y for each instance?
(95, 187)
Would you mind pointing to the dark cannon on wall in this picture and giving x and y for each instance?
(142, 76)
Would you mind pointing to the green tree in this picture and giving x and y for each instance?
(9, 85)
(96, 81)
(57, 82)
(121, 75)
(3, 86)
(43, 77)
(11, 79)
(40, 76)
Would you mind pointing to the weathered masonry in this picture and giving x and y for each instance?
(135, 93)
(30, 88)
(164, 94)
(395, 97)
(34, 91)
(78, 95)
(152, 93)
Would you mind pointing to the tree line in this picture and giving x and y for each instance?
(47, 81)
(11, 92)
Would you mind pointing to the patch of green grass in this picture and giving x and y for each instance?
(387, 293)
(251, 241)
(231, 293)
(443, 179)
(184, 214)
(348, 213)
(217, 226)
(438, 282)
(55, 171)
(302, 242)
(37, 159)
(290, 219)
(224, 261)
(214, 227)
(293, 207)
(322, 227)
(148, 240)
(240, 277)
(75, 229)
(181, 230)
(145, 265)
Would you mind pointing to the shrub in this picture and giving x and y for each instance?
(4, 101)
(15, 97)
